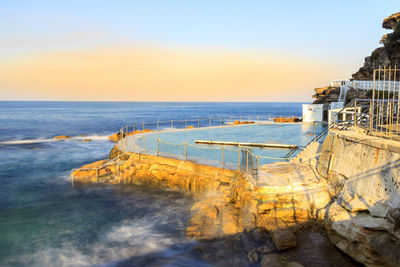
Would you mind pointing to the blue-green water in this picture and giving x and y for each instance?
(45, 221)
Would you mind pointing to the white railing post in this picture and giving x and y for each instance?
(185, 151)
(247, 160)
(144, 143)
(222, 156)
(158, 145)
(239, 157)
(314, 130)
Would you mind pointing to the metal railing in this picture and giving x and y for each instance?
(384, 107)
(241, 158)
(198, 122)
(112, 162)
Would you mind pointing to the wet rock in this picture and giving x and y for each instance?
(294, 264)
(283, 238)
(253, 256)
(60, 137)
(271, 260)
(264, 249)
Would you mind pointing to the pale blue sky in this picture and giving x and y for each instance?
(332, 32)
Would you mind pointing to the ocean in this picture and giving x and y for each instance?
(47, 221)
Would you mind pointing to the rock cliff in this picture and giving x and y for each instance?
(363, 176)
(387, 55)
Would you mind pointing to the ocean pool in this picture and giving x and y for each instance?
(172, 142)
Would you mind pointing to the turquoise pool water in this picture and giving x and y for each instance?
(290, 133)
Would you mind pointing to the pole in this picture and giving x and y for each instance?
(220, 121)
(158, 145)
(143, 126)
(222, 150)
(185, 151)
(185, 123)
(144, 143)
(133, 128)
(247, 160)
(157, 125)
(258, 167)
(198, 123)
(239, 157)
(355, 112)
(314, 130)
(209, 122)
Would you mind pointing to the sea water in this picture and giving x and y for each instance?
(47, 221)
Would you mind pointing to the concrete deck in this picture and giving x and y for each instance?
(286, 177)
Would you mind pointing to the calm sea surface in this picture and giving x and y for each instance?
(45, 221)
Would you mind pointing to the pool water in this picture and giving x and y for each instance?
(172, 142)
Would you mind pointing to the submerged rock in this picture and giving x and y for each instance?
(60, 137)
(271, 260)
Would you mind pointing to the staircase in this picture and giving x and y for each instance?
(308, 154)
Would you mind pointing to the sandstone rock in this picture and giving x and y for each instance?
(271, 260)
(115, 137)
(60, 137)
(115, 152)
(390, 22)
(280, 120)
(230, 224)
(243, 122)
(282, 236)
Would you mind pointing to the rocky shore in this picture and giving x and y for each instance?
(255, 222)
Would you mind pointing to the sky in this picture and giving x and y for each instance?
(176, 50)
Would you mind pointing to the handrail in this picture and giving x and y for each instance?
(324, 131)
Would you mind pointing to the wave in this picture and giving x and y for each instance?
(48, 140)
(132, 241)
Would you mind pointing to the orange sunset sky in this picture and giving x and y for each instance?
(180, 51)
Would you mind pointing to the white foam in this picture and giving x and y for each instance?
(40, 140)
(123, 241)
(26, 141)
